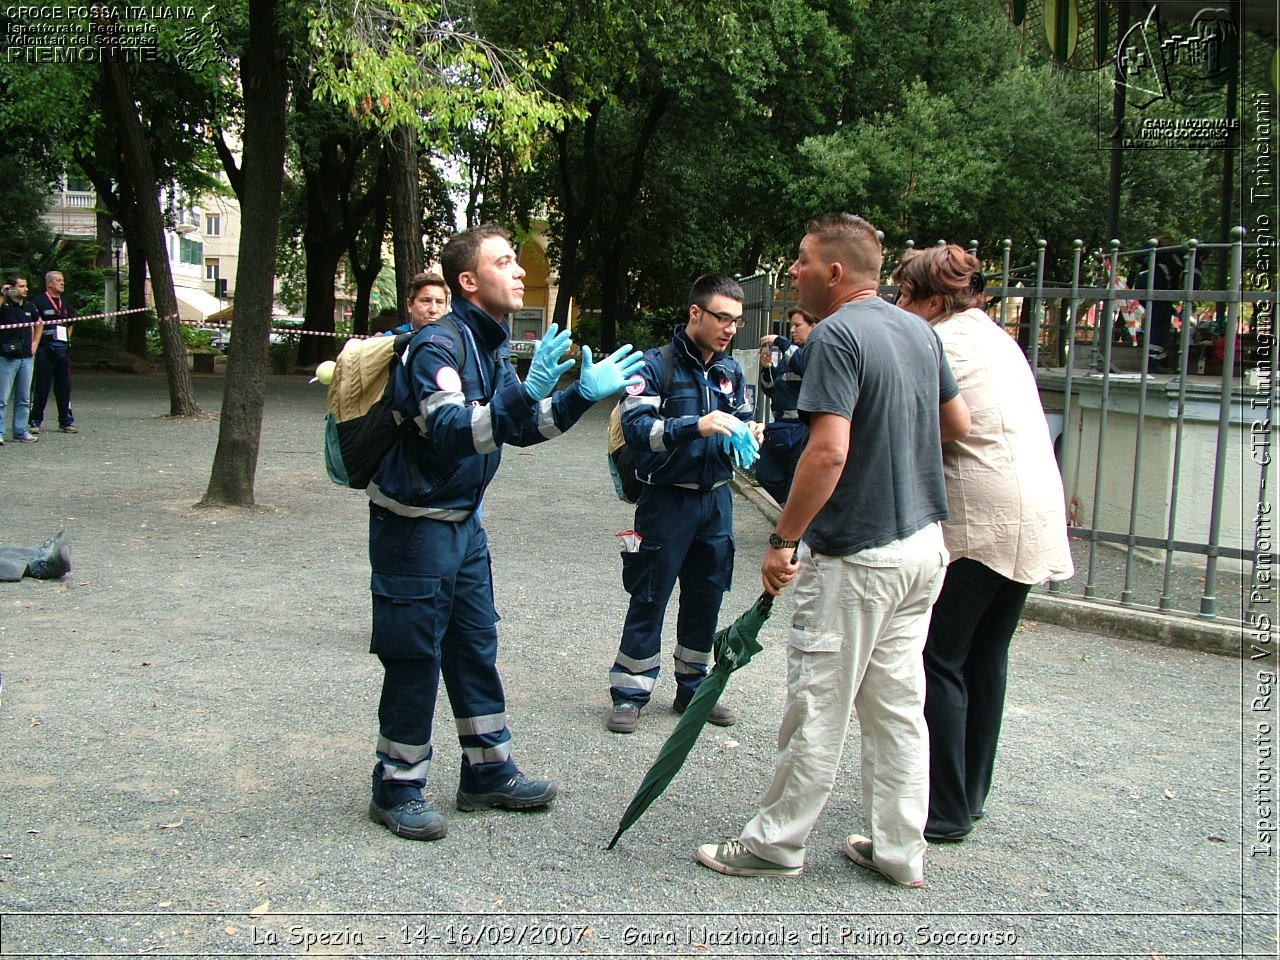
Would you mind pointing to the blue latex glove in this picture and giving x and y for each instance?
(742, 446)
(611, 375)
(546, 368)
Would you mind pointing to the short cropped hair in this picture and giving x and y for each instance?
(51, 274)
(712, 284)
(848, 239)
(462, 253)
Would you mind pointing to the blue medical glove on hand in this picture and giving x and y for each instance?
(546, 368)
(745, 449)
(742, 445)
(611, 375)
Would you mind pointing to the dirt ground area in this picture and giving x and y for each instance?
(187, 729)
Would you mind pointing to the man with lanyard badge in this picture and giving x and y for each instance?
(53, 357)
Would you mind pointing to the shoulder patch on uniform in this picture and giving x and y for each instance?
(441, 337)
(635, 389)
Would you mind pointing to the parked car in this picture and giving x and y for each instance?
(279, 323)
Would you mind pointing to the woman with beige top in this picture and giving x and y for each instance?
(1007, 531)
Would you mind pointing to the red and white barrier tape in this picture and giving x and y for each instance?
(200, 324)
(205, 325)
(67, 321)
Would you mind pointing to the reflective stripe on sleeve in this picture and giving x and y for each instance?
(547, 420)
(632, 403)
(439, 399)
(655, 436)
(482, 429)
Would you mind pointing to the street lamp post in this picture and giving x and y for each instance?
(117, 246)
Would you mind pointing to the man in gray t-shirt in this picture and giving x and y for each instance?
(868, 363)
(867, 499)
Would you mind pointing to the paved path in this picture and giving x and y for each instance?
(187, 727)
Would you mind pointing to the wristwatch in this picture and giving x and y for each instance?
(777, 543)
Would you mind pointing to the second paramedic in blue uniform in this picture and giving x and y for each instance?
(433, 610)
(685, 512)
(784, 437)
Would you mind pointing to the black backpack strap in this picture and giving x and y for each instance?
(668, 354)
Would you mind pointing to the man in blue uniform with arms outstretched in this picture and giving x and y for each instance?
(433, 610)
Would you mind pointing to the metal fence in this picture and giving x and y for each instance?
(1168, 477)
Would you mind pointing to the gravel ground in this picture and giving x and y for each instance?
(188, 719)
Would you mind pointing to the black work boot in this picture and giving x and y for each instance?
(53, 560)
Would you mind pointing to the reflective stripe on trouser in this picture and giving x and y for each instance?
(686, 536)
(855, 643)
(435, 616)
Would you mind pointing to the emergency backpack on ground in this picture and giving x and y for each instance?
(361, 425)
(622, 459)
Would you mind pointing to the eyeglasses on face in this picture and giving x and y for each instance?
(725, 319)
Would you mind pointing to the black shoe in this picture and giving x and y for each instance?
(518, 793)
(53, 559)
(946, 837)
(414, 819)
(720, 716)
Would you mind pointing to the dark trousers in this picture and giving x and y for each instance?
(433, 616)
(966, 661)
(687, 536)
(784, 441)
(13, 562)
(53, 369)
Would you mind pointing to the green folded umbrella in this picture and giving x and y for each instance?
(734, 646)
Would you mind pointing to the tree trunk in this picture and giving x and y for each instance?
(136, 324)
(406, 210)
(321, 267)
(139, 323)
(138, 169)
(264, 69)
(585, 212)
(365, 273)
(334, 220)
(612, 295)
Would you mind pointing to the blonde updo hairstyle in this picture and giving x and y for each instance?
(949, 272)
